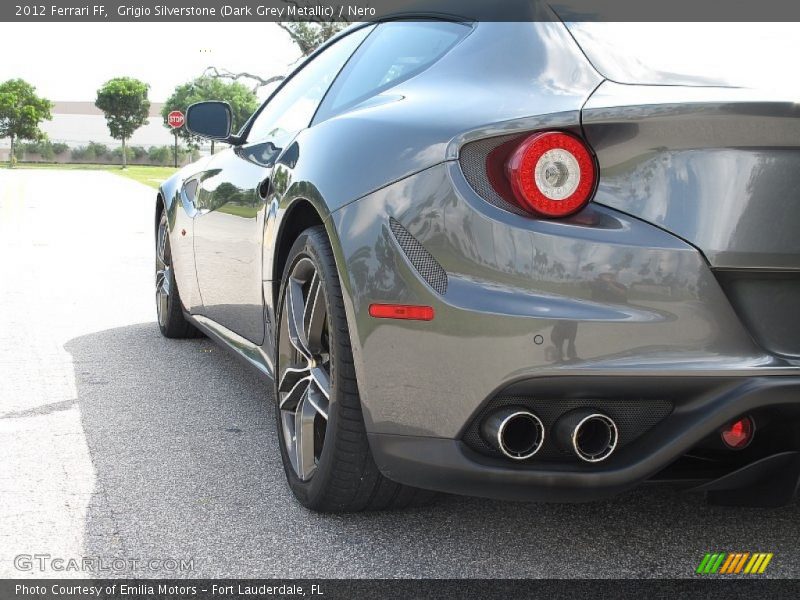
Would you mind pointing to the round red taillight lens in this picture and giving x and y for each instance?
(552, 174)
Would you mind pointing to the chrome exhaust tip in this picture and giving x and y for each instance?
(517, 433)
(590, 435)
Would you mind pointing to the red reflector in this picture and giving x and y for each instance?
(552, 174)
(739, 434)
(401, 311)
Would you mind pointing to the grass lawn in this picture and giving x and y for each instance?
(152, 176)
(249, 212)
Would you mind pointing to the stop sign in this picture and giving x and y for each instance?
(175, 119)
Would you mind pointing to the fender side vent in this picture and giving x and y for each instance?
(430, 270)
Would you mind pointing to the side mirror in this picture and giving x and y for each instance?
(210, 120)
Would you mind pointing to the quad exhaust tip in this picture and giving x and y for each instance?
(590, 435)
(516, 432)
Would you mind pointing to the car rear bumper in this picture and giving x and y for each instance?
(598, 311)
(599, 295)
(449, 465)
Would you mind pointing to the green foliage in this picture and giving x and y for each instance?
(124, 102)
(156, 155)
(21, 111)
(45, 149)
(162, 155)
(116, 154)
(91, 152)
(82, 153)
(137, 152)
(99, 150)
(243, 101)
(159, 155)
(132, 153)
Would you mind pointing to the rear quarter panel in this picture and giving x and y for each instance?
(719, 167)
(499, 73)
(501, 77)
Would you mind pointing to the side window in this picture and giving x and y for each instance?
(396, 51)
(293, 106)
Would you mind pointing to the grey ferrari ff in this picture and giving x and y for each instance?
(496, 259)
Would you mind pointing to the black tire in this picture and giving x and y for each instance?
(345, 478)
(169, 311)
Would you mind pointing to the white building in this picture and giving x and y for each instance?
(78, 123)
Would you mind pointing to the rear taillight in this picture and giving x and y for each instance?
(549, 174)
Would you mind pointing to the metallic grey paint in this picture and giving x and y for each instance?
(690, 179)
(511, 278)
(228, 237)
(716, 166)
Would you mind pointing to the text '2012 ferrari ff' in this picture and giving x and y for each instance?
(498, 259)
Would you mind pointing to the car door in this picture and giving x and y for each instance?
(229, 226)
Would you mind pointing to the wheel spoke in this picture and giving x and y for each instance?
(314, 315)
(304, 437)
(318, 400)
(162, 244)
(162, 281)
(291, 376)
(295, 394)
(296, 309)
(287, 422)
(322, 381)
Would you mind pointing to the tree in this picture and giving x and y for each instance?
(243, 101)
(307, 35)
(310, 35)
(124, 102)
(215, 73)
(21, 111)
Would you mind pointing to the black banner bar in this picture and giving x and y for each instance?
(366, 10)
(389, 589)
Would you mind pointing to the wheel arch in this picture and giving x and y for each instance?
(159, 207)
(299, 216)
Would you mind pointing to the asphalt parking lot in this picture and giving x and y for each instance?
(117, 443)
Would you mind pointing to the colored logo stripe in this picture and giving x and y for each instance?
(711, 562)
(740, 563)
(758, 564)
(732, 563)
(728, 561)
(703, 564)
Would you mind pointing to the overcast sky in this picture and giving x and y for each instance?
(70, 61)
(753, 55)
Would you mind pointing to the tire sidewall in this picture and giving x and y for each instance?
(165, 328)
(175, 323)
(307, 246)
